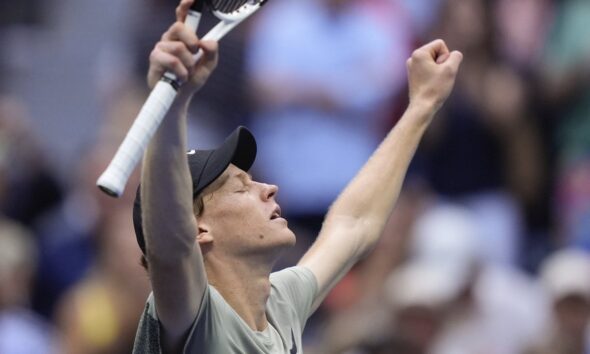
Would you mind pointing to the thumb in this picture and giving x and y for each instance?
(455, 59)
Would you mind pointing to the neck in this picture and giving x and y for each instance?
(244, 286)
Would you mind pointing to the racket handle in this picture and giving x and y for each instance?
(192, 20)
(114, 178)
(215, 34)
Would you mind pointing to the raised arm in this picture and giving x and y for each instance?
(175, 263)
(356, 219)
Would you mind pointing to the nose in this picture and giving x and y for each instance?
(270, 191)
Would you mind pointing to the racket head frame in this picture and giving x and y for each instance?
(240, 13)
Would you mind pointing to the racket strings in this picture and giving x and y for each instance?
(227, 6)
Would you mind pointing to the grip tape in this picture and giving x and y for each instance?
(114, 178)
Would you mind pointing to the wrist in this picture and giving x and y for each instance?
(424, 105)
(184, 96)
(181, 103)
(422, 111)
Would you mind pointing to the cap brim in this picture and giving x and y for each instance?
(239, 149)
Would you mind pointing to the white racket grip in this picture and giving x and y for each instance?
(192, 20)
(114, 178)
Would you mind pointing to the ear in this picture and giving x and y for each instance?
(204, 237)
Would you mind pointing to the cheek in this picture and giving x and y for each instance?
(237, 217)
(239, 222)
(244, 210)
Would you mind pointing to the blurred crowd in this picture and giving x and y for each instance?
(488, 249)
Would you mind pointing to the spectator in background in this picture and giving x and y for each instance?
(566, 86)
(521, 31)
(445, 299)
(407, 320)
(420, 294)
(21, 330)
(521, 28)
(564, 275)
(493, 307)
(323, 74)
(485, 152)
(572, 203)
(423, 14)
(99, 314)
(29, 187)
(69, 233)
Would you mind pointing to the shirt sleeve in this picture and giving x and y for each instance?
(298, 286)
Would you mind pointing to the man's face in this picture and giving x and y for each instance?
(243, 216)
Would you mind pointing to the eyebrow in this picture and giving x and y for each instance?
(218, 183)
(243, 176)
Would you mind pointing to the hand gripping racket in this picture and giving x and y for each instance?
(114, 178)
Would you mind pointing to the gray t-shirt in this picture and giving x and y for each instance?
(218, 329)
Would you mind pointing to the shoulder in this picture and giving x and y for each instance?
(293, 276)
(293, 291)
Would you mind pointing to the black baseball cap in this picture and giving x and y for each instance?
(239, 148)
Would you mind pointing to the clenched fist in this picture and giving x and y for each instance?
(432, 70)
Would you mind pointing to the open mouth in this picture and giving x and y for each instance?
(276, 213)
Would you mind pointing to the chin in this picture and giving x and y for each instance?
(292, 238)
(284, 242)
(287, 238)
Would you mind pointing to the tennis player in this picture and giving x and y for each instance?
(210, 234)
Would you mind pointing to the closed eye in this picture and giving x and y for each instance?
(242, 182)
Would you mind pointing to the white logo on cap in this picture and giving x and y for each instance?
(191, 152)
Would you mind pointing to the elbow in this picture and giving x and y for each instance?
(365, 250)
(372, 229)
(362, 233)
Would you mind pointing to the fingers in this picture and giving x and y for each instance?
(210, 52)
(455, 59)
(432, 51)
(162, 61)
(174, 52)
(436, 52)
(179, 32)
(442, 58)
(179, 50)
(182, 9)
(436, 49)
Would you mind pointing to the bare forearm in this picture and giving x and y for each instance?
(371, 195)
(167, 190)
(176, 269)
(357, 218)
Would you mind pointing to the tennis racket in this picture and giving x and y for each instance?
(114, 178)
